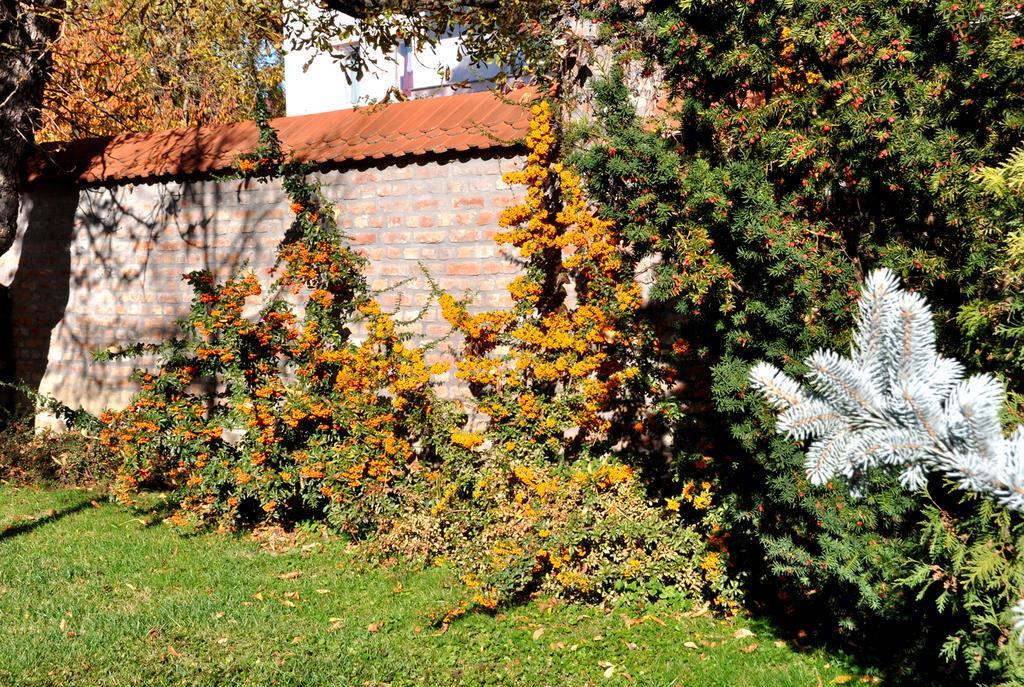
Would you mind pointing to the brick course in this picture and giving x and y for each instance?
(101, 266)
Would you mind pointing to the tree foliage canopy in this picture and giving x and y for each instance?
(156, 64)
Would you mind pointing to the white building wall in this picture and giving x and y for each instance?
(316, 82)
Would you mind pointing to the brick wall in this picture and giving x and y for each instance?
(99, 267)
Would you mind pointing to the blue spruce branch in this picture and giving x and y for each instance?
(895, 403)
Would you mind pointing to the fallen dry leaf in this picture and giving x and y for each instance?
(842, 679)
(538, 633)
(222, 640)
(547, 604)
(336, 624)
(742, 633)
(690, 645)
(609, 671)
(373, 627)
(218, 615)
(296, 639)
(290, 575)
(323, 591)
(291, 595)
(750, 648)
(172, 651)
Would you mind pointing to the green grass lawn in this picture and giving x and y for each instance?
(95, 594)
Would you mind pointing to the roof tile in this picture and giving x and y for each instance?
(417, 127)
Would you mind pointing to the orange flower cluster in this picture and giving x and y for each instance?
(467, 439)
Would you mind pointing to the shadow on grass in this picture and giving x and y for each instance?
(154, 507)
(903, 648)
(51, 515)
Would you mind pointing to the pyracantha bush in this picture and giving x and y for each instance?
(553, 505)
(550, 371)
(585, 531)
(284, 413)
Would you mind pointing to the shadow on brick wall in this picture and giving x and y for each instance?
(38, 295)
(103, 267)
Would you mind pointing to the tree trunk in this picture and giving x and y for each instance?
(27, 31)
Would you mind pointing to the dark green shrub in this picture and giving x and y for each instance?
(805, 143)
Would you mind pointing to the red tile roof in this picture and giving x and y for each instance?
(417, 127)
